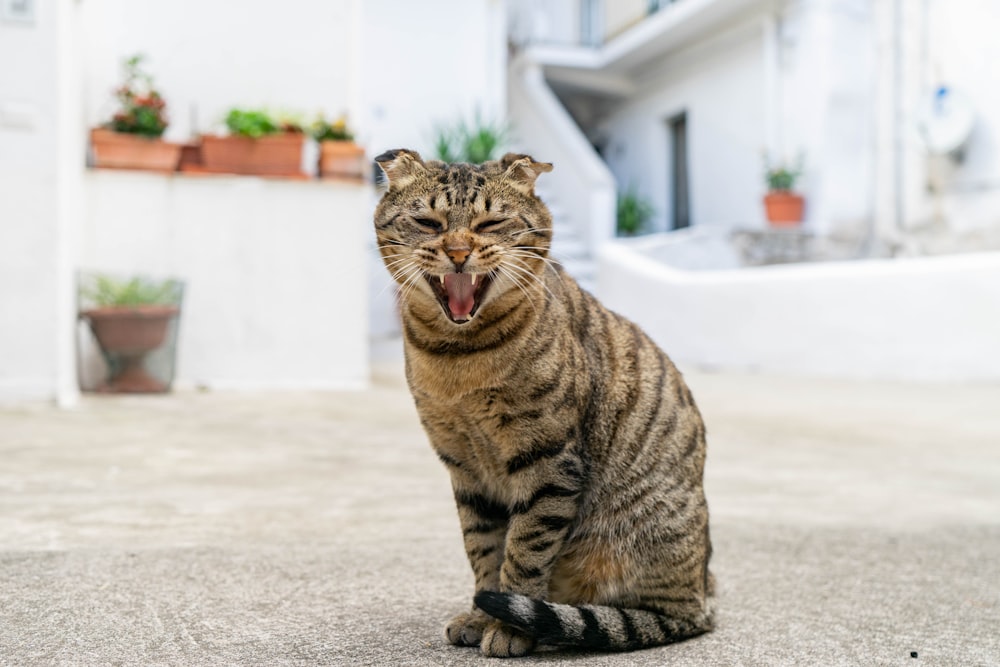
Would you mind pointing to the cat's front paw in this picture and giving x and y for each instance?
(467, 629)
(502, 641)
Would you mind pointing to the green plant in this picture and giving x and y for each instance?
(781, 178)
(103, 290)
(142, 110)
(476, 142)
(324, 130)
(634, 212)
(256, 123)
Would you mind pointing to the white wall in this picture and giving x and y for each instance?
(620, 15)
(826, 108)
(207, 57)
(904, 319)
(427, 63)
(962, 52)
(275, 272)
(798, 83)
(719, 84)
(551, 22)
(41, 165)
(421, 65)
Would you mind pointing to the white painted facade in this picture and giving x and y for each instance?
(843, 83)
(397, 68)
(274, 272)
(926, 318)
(41, 134)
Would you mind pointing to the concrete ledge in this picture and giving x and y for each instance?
(930, 318)
(274, 269)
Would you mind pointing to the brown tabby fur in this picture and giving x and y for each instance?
(575, 449)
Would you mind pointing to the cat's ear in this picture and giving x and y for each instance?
(522, 171)
(401, 167)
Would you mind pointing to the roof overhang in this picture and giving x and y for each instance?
(606, 70)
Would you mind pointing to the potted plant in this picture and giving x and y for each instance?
(339, 156)
(634, 213)
(130, 319)
(783, 206)
(475, 142)
(258, 143)
(131, 139)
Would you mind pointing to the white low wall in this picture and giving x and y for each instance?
(275, 270)
(929, 318)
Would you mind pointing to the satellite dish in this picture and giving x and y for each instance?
(946, 122)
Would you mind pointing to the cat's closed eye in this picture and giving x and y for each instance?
(430, 223)
(489, 225)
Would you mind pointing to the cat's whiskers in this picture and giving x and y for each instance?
(529, 230)
(516, 282)
(393, 244)
(399, 259)
(522, 267)
(551, 263)
(402, 275)
(406, 287)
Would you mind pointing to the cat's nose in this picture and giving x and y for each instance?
(459, 254)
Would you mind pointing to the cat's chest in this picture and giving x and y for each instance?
(474, 429)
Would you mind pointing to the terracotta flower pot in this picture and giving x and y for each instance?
(272, 155)
(128, 334)
(119, 150)
(341, 159)
(784, 209)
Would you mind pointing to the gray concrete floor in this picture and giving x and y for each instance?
(854, 524)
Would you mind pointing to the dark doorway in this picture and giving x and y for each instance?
(680, 210)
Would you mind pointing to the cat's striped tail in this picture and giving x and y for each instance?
(590, 626)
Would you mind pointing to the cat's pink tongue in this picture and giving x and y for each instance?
(461, 293)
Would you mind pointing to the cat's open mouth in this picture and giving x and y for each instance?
(460, 294)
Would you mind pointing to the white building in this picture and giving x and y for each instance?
(676, 99)
(683, 97)
(277, 292)
(892, 105)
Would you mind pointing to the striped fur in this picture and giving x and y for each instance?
(575, 449)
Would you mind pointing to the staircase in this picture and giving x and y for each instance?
(581, 190)
(568, 248)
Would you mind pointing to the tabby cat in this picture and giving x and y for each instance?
(575, 449)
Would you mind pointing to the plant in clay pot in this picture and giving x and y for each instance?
(783, 206)
(130, 318)
(258, 143)
(131, 139)
(339, 156)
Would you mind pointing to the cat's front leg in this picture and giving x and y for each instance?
(536, 533)
(484, 527)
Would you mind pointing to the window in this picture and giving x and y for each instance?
(590, 22)
(657, 5)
